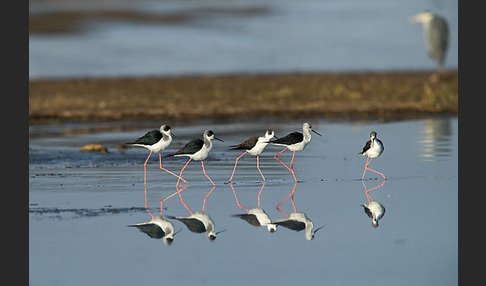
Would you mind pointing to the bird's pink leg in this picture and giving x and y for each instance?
(292, 162)
(258, 167)
(182, 170)
(279, 159)
(234, 169)
(163, 169)
(204, 171)
(366, 168)
(206, 197)
(145, 178)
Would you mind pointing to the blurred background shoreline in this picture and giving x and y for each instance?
(158, 59)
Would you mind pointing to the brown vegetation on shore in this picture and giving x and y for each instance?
(244, 96)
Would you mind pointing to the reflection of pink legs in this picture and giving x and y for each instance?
(291, 195)
(163, 169)
(368, 161)
(237, 202)
(168, 197)
(261, 189)
(204, 171)
(368, 196)
(206, 197)
(182, 201)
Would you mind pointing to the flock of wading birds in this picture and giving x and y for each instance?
(198, 149)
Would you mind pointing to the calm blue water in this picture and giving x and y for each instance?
(80, 206)
(283, 36)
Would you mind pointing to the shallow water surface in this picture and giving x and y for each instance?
(82, 203)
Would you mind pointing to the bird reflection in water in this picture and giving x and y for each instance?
(374, 209)
(198, 222)
(157, 227)
(255, 216)
(297, 221)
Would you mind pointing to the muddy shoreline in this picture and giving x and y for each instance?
(333, 95)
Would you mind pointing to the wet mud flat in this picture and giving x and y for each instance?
(338, 95)
(80, 206)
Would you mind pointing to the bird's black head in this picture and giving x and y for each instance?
(169, 240)
(166, 128)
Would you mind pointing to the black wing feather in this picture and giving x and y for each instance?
(149, 138)
(248, 144)
(366, 147)
(289, 139)
(190, 148)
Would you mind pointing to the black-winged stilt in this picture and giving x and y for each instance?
(155, 141)
(373, 149)
(295, 142)
(253, 146)
(197, 149)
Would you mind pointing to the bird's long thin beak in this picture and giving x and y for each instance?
(173, 135)
(220, 231)
(218, 139)
(316, 132)
(318, 229)
(177, 232)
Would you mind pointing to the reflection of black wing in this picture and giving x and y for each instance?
(250, 218)
(367, 211)
(192, 224)
(291, 224)
(152, 230)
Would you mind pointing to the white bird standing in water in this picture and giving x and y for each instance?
(197, 149)
(254, 146)
(373, 149)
